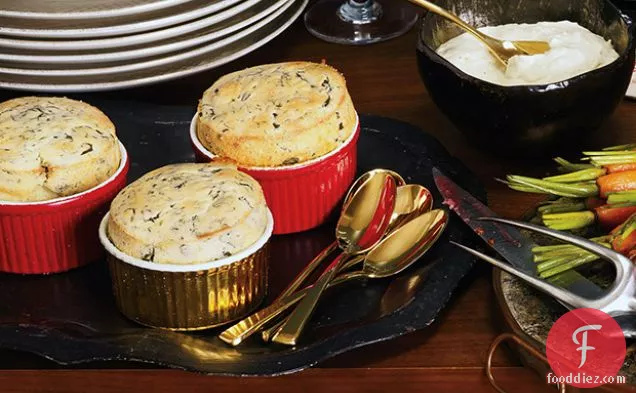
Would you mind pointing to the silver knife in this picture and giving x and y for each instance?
(511, 244)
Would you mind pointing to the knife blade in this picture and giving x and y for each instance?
(511, 244)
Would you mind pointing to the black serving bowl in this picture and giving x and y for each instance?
(527, 119)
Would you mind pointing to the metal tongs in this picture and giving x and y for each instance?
(619, 300)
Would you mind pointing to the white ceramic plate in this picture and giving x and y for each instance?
(133, 67)
(18, 45)
(109, 27)
(80, 9)
(253, 11)
(203, 60)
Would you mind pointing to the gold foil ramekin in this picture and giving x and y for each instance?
(189, 297)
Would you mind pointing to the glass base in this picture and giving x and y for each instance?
(352, 24)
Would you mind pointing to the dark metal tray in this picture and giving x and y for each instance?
(71, 318)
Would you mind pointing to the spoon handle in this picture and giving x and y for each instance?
(268, 333)
(306, 272)
(237, 333)
(242, 330)
(450, 16)
(293, 327)
(491, 43)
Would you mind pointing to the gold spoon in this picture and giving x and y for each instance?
(502, 50)
(392, 255)
(238, 332)
(361, 225)
(311, 267)
(411, 201)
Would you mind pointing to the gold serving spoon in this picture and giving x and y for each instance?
(362, 224)
(242, 330)
(353, 190)
(396, 252)
(502, 50)
(357, 201)
(411, 201)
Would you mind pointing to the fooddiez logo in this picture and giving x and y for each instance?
(586, 349)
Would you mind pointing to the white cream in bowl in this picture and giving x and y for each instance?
(574, 50)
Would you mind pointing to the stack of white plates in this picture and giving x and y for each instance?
(92, 45)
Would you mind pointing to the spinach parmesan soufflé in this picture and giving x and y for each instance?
(276, 114)
(188, 214)
(53, 147)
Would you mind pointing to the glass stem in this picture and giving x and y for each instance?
(360, 11)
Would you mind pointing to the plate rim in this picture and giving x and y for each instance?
(112, 42)
(111, 86)
(510, 320)
(133, 54)
(418, 313)
(115, 12)
(117, 30)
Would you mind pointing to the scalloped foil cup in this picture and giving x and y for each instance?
(189, 297)
(60, 234)
(301, 196)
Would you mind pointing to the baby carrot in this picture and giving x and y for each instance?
(611, 216)
(624, 236)
(613, 168)
(616, 182)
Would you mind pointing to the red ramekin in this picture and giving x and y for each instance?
(60, 234)
(300, 196)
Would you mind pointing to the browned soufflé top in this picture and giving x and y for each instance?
(276, 114)
(188, 213)
(53, 147)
